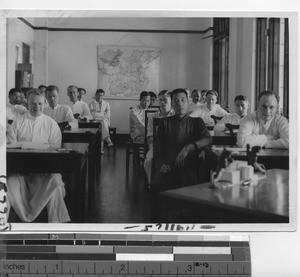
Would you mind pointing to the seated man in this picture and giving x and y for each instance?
(203, 96)
(137, 118)
(79, 108)
(62, 114)
(164, 100)
(42, 89)
(81, 94)
(153, 97)
(211, 108)
(241, 105)
(100, 110)
(196, 96)
(13, 107)
(29, 194)
(264, 127)
(179, 138)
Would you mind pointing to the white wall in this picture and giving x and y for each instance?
(72, 59)
(17, 33)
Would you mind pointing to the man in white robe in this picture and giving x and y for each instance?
(100, 110)
(241, 105)
(29, 194)
(79, 108)
(211, 108)
(165, 110)
(60, 113)
(13, 107)
(137, 118)
(196, 98)
(264, 127)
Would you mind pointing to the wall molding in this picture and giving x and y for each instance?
(201, 32)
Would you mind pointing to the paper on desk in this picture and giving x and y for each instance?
(35, 145)
(14, 145)
(234, 149)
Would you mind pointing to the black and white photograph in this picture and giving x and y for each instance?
(148, 121)
(140, 120)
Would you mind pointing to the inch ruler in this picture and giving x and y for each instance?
(43, 255)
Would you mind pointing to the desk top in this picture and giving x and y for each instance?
(272, 152)
(81, 131)
(269, 196)
(69, 147)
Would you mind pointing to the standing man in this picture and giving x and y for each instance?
(241, 105)
(179, 138)
(264, 127)
(79, 108)
(100, 110)
(211, 108)
(29, 194)
(137, 118)
(62, 114)
(164, 100)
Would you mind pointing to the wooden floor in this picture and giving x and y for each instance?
(117, 199)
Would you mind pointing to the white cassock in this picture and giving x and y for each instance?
(149, 155)
(81, 108)
(255, 132)
(61, 113)
(29, 194)
(101, 111)
(203, 112)
(12, 111)
(193, 106)
(233, 119)
(137, 124)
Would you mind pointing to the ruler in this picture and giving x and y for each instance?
(76, 254)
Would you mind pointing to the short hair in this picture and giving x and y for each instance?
(164, 92)
(144, 94)
(41, 86)
(34, 91)
(82, 89)
(179, 90)
(212, 92)
(268, 93)
(71, 86)
(100, 90)
(241, 98)
(52, 88)
(195, 90)
(12, 91)
(204, 91)
(152, 94)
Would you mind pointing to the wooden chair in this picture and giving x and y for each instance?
(112, 133)
(216, 118)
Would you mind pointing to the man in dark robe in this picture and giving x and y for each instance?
(178, 143)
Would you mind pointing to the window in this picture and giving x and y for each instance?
(220, 59)
(272, 58)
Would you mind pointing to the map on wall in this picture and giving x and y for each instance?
(126, 71)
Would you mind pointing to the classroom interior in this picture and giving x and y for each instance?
(231, 55)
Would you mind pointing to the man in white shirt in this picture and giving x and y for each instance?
(29, 194)
(211, 108)
(81, 94)
(137, 118)
(264, 127)
(196, 97)
(164, 100)
(13, 107)
(62, 114)
(79, 108)
(100, 110)
(241, 105)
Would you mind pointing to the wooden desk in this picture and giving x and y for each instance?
(270, 158)
(267, 202)
(221, 138)
(92, 136)
(72, 161)
(93, 123)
